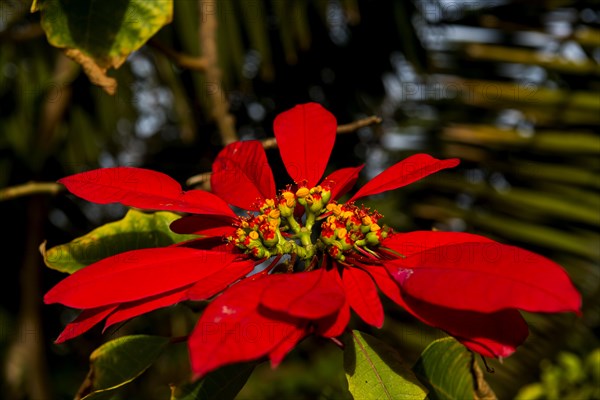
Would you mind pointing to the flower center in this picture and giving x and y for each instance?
(307, 223)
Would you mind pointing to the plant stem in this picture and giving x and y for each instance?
(208, 44)
(181, 59)
(30, 188)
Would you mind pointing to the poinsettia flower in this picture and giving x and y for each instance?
(324, 259)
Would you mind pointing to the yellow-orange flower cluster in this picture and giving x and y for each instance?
(306, 222)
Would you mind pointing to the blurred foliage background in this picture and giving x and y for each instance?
(510, 87)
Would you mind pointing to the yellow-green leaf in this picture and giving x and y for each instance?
(374, 370)
(137, 230)
(119, 362)
(100, 34)
(450, 372)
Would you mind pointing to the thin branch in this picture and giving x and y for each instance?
(22, 33)
(208, 44)
(271, 143)
(361, 123)
(30, 188)
(181, 59)
(26, 363)
(200, 179)
(56, 102)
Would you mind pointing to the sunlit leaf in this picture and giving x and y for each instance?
(101, 34)
(374, 370)
(137, 230)
(119, 362)
(450, 372)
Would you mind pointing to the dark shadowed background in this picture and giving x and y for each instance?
(510, 87)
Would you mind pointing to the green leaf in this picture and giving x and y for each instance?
(374, 370)
(222, 384)
(450, 371)
(100, 34)
(119, 362)
(137, 230)
(592, 365)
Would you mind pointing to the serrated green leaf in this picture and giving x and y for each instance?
(450, 372)
(100, 34)
(137, 230)
(374, 370)
(119, 362)
(222, 384)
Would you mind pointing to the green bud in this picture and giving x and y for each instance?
(325, 196)
(285, 210)
(316, 206)
(271, 241)
(372, 238)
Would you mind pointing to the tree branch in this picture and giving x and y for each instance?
(361, 123)
(22, 34)
(30, 188)
(208, 44)
(271, 143)
(25, 361)
(181, 59)
(53, 188)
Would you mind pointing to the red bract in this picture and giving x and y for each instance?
(324, 258)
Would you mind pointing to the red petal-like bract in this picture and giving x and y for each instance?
(217, 282)
(84, 322)
(305, 136)
(494, 334)
(362, 296)
(207, 225)
(280, 351)
(142, 188)
(241, 175)
(310, 295)
(135, 275)
(334, 325)
(486, 277)
(212, 243)
(407, 171)
(135, 308)
(343, 180)
(410, 243)
(233, 328)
